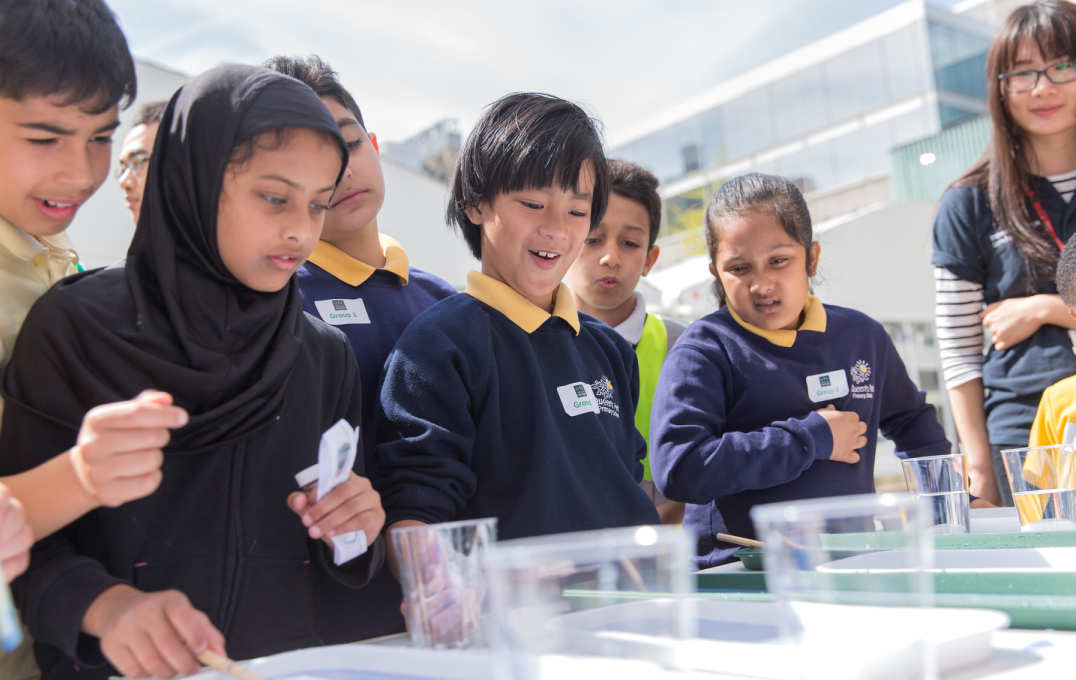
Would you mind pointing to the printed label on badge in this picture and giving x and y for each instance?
(342, 312)
(826, 386)
(578, 398)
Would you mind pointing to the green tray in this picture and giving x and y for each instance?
(847, 545)
(1025, 611)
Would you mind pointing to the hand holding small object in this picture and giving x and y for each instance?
(150, 634)
(353, 505)
(118, 455)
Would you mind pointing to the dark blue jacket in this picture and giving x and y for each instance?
(734, 422)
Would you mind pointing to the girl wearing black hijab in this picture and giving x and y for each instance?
(206, 308)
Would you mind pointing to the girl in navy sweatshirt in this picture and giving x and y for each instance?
(775, 396)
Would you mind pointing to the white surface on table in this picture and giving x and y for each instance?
(994, 520)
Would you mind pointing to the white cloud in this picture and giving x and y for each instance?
(410, 63)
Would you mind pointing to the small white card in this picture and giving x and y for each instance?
(578, 398)
(336, 457)
(340, 312)
(826, 386)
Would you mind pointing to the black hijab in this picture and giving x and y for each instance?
(174, 318)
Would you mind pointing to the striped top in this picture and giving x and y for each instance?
(1065, 184)
(957, 305)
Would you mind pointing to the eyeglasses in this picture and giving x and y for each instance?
(1023, 81)
(135, 164)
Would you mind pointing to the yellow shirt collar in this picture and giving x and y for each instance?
(52, 254)
(521, 311)
(814, 319)
(352, 271)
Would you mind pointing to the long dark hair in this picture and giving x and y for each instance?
(1004, 170)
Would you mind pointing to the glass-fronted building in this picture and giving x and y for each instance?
(825, 115)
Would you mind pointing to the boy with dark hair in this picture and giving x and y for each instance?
(616, 253)
(64, 69)
(1055, 421)
(504, 401)
(135, 152)
(58, 110)
(360, 281)
(358, 278)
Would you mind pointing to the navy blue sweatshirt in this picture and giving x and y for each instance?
(493, 407)
(371, 306)
(734, 422)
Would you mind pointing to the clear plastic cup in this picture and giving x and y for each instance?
(851, 579)
(443, 585)
(1043, 486)
(622, 593)
(943, 482)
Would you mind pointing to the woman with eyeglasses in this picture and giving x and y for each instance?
(997, 237)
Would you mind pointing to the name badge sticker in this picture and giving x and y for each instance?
(342, 312)
(826, 386)
(578, 398)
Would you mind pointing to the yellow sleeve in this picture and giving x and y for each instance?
(1044, 428)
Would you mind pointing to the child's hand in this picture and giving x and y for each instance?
(118, 455)
(15, 536)
(351, 506)
(151, 634)
(848, 433)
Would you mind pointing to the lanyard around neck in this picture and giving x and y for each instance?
(1036, 205)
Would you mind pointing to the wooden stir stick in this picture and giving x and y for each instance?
(739, 540)
(226, 665)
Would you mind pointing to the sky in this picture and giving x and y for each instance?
(411, 63)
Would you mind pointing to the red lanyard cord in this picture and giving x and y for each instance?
(1036, 205)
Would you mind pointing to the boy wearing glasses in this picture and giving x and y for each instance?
(135, 153)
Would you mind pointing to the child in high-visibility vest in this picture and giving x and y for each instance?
(615, 254)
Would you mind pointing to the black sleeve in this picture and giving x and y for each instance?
(354, 573)
(60, 584)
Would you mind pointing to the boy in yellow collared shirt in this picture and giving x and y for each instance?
(58, 111)
(1055, 421)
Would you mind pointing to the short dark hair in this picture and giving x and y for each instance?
(1066, 274)
(319, 76)
(757, 192)
(149, 113)
(636, 183)
(72, 48)
(526, 140)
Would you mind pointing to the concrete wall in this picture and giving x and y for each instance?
(102, 229)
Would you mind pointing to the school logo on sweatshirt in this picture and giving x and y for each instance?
(597, 397)
(862, 387)
(340, 312)
(606, 395)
